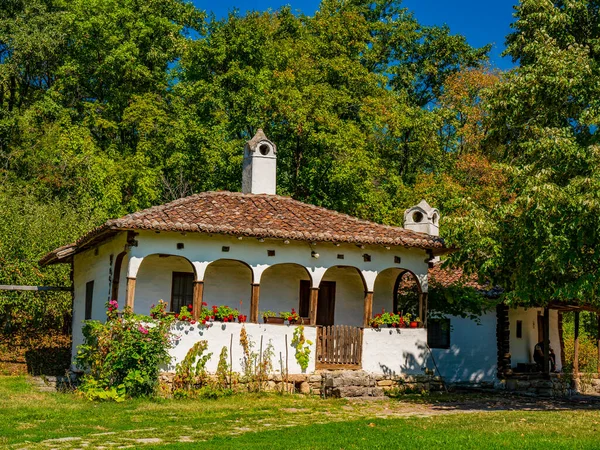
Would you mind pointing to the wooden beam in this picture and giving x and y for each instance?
(546, 368)
(576, 346)
(368, 309)
(197, 302)
(313, 305)
(130, 293)
(421, 306)
(254, 298)
(11, 287)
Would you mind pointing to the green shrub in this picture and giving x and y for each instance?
(124, 354)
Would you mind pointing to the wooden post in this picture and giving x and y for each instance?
(368, 309)
(421, 305)
(546, 369)
(198, 295)
(254, 302)
(130, 293)
(425, 296)
(576, 347)
(314, 304)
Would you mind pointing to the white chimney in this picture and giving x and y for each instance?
(259, 173)
(422, 218)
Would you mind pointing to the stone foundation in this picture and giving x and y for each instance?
(334, 384)
(558, 385)
(308, 384)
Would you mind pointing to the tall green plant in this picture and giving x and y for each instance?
(124, 354)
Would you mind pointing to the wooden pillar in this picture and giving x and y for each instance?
(254, 302)
(130, 293)
(576, 347)
(198, 295)
(313, 305)
(546, 368)
(368, 309)
(503, 341)
(425, 297)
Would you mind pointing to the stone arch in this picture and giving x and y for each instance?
(229, 282)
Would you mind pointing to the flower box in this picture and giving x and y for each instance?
(274, 320)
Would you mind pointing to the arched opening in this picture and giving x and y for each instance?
(341, 297)
(164, 277)
(396, 290)
(228, 282)
(117, 269)
(283, 287)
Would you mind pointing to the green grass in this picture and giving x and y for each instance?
(30, 419)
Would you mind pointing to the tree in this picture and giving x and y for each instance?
(542, 244)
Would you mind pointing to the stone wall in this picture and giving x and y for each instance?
(558, 385)
(308, 384)
(335, 384)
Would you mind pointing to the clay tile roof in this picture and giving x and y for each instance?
(261, 216)
(446, 277)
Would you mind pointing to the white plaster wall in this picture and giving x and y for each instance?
(91, 267)
(202, 249)
(154, 281)
(228, 283)
(521, 350)
(219, 335)
(394, 351)
(349, 295)
(473, 353)
(280, 287)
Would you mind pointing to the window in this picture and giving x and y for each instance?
(438, 333)
(89, 296)
(519, 329)
(182, 290)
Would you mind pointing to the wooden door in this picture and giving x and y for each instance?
(326, 303)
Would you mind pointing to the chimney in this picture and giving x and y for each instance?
(260, 166)
(422, 218)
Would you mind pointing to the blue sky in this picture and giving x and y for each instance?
(481, 21)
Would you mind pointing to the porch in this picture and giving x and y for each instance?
(335, 302)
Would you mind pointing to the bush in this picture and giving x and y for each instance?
(123, 356)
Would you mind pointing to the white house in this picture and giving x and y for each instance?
(258, 251)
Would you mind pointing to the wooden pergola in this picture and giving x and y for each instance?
(567, 307)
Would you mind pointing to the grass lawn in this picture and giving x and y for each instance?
(32, 420)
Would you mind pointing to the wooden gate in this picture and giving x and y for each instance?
(339, 347)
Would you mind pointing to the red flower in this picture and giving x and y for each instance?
(212, 317)
(193, 322)
(203, 321)
(204, 304)
(190, 306)
(225, 319)
(231, 317)
(177, 316)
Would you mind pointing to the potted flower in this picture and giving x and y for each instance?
(376, 321)
(271, 317)
(415, 323)
(292, 317)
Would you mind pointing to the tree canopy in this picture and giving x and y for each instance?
(107, 107)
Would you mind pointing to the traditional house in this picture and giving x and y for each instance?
(257, 251)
